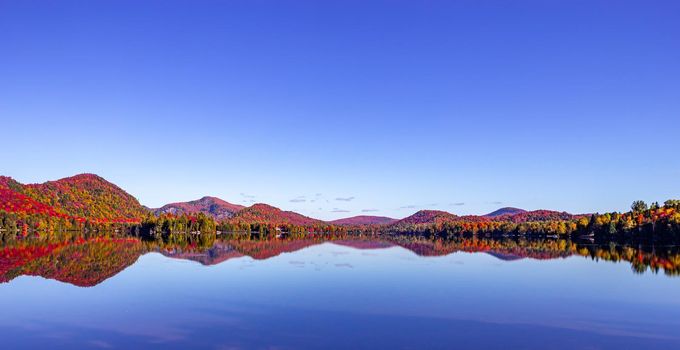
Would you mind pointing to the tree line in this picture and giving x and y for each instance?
(643, 220)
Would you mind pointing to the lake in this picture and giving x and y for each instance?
(368, 293)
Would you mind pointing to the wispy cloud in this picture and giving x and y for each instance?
(369, 210)
(337, 210)
(299, 199)
(245, 195)
(345, 199)
(458, 204)
(497, 203)
(411, 206)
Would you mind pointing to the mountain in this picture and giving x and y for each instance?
(505, 211)
(215, 207)
(437, 217)
(15, 202)
(539, 215)
(364, 220)
(427, 217)
(520, 215)
(266, 214)
(81, 196)
(88, 196)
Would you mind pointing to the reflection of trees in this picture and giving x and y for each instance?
(85, 260)
(641, 257)
(533, 248)
(237, 245)
(82, 262)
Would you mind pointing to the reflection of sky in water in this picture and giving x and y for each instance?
(335, 296)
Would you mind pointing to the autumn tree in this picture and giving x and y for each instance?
(638, 206)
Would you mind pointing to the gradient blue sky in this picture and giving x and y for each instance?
(394, 106)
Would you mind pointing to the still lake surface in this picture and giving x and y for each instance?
(327, 295)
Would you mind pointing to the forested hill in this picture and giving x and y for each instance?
(266, 214)
(85, 196)
(217, 208)
(364, 220)
(80, 201)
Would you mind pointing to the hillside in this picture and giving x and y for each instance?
(266, 214)
(538, 215)
(505, 211)
(212, 206)
(82, 196)
(427, 217)
(15, 202)
(467, 222)
(364, 220)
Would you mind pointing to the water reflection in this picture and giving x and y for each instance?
(393, 292)
(86, 261)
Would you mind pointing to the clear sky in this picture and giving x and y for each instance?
(339, 108)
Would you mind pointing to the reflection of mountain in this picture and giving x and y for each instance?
(89, 261)
(83, 262)
(214, 255)
(364, 244)
(504, 256)
(504, 249)
(265, 249)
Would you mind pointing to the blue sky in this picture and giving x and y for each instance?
(339, 108)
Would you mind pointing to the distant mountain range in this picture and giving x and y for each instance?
(427, 217)
(88, 196)
(364, 220)
(438, 217)
(505, 211)
(215, 207)
(266, 214)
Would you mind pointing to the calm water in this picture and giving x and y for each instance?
(121, 293)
